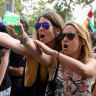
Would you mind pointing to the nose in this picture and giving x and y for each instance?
(41, 27)
(65, 38)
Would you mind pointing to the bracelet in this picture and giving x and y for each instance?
(25, 40)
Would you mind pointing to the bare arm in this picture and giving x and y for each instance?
(3, 64)
(37, 53)
(17, 64)
(86, 70)
(14, 44)
(30, 46)
(16, 71)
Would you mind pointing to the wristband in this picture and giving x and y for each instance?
(25, 40)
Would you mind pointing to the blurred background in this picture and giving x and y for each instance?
(30, 10)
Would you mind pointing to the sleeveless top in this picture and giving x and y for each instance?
(70, 85)
(36, 77)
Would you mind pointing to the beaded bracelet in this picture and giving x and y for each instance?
(25, 40)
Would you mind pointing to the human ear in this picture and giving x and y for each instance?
(82, 43)
(57, 31)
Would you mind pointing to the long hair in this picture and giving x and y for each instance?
(86, 49)
(57, 22)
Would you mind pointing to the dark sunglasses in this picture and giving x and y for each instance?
(44, 25)
(70, 36)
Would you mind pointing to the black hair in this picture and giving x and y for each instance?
(3, 28)
(25, 25)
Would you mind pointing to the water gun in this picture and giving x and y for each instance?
(11, 19)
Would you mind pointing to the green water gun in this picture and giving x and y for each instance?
(11, 19)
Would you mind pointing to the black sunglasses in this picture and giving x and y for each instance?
(44, 25)
(70, 36)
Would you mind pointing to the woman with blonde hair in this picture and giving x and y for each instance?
(77, 67)
(75, 70)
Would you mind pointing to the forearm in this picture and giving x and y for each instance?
(71, 63)
(30, 45)
(9, 42)
(16, 71)
(2, 72)
(32, 48)
(3, 66)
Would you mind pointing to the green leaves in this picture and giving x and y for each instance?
(30, 10)
(65, 7)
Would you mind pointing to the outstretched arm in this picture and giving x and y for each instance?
(14, 44)
(29, 45)
(86, 70)
(16, 71)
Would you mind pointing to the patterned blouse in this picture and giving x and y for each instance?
(70, 85)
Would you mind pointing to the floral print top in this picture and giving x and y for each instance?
(70, 85)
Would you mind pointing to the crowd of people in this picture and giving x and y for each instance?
(60, 61)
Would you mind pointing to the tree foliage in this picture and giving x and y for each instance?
(65, 7)
(37, 12)
(94, 14)
(30, 10)
(1, 6)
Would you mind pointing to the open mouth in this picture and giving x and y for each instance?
(65, 46)
(41, 36)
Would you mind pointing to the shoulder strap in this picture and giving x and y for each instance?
(52, 83)
(56, 69)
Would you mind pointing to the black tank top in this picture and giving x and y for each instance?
(38, 88)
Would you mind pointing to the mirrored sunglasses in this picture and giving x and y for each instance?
(44, 25)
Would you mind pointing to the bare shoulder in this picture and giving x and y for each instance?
(94, 55)
(91, 61)
(91, 64)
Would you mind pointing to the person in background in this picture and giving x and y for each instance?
(93, 38)
(49, 25)
(16, 69)
(5, 82)
(32, 36)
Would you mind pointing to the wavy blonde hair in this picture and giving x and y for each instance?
(86, 49)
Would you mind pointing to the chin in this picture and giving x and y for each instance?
(43, 42)
(66, 53)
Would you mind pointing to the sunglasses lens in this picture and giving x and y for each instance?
(62, 36)
(37, 26)
(45, 25)
(70, 36)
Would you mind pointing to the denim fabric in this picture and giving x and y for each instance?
(5, 92)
